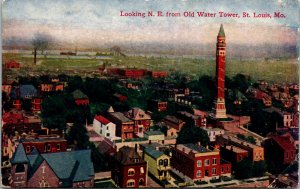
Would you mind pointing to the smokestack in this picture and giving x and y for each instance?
(34, 59)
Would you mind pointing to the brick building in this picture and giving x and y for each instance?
(174, 122)
(233, 154)
(124, 125)
(80, 98)
(157, 105)
(129, 169)
(158, 74)
(142, 121)
(199, 163)
(133, 73)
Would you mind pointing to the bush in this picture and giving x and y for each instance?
(200, 182)
(215, 180)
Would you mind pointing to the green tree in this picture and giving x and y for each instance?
(78, 136)
(191, 134)
(259, 168)
(53, 112)
(243, 169)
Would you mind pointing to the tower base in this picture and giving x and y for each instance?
(219, 112)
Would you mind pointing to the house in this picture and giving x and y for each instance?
(46, 87)
(233, 154)
(141, 120)
(279, 150)
(188, 117)
(202, 115)
(199, 163)
(129, 169)
(13, 117)
(213, 132)
(80, 98)
(104, 127)
(154, 136)
(124, 125)
(174, 122)
(255, 152)
(157, 105)
(12, 64)
(62, 169)
(159, 164)
(133, 73)
(260, 95)
(286, 117)
(28, 92)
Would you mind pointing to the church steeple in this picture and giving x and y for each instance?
(221, 31)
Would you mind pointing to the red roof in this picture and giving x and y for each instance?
(102, 119)
(284, 143)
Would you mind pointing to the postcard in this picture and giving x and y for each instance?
(150, 93)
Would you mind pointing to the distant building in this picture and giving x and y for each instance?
(133, 73)
(186, 116)
(199, 163)
(154, 136)
(233, 154)
(104, 127)
(174, 122)
(62, 169)
(287, 119)
(36, 104)
(157, 105)
(12, 64)
(158, 74)
(213, 132)
(80, 98)
(129, 169)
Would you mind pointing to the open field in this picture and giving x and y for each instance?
(274, 70)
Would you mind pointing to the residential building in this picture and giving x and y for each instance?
(158, 74)
(62, 169)
(36, 104)
(279, 150)
(154, 136)
(233, 154)
(124, 125)
(159, 164)
(129, 169)
(157, 105)
(174, 122)
(80, 98)
(12, 64)
(199, 163)
(104, 127)
(213, 132)
(287, 118)
(188, 117)
(255, 152)
(141, 120)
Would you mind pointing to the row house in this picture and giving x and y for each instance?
(104, 127)
(80, 98)
(49, 87)
(199, 163)
(124, 125)
(279, 150)
(133, 73)
(159, 164)
(260, 95)
(233, 154)
(129, 170)
(142, 121)
(158, 74)
(71, 169)
(157, 105)
(188, 117)
(255, 152)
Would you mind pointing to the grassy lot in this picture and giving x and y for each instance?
(280, 70)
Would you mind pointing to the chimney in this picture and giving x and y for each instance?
(231, 148)
(135, 147)
(199, 143)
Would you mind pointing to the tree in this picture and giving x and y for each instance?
(191, 134)
(78, 136)
(259, 168)
(40, 42)
(243, 169)
(53, 112)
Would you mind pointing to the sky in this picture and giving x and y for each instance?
(98, 22)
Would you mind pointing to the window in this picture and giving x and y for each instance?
(130, 183)
(20, 168)
(142, 170)
(49, 147)
(214, 171)
(27, 149)
(206, 162)
(160, 162)
(214, 162)
(131, 172)
(287, 155)
(166, 162)
(222, 170)
(107, 134)
(198, 174)
(58, 146)
(199, 163)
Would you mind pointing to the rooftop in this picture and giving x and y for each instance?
(173, 119)
(120, 116)
(192, 147)
(235, 149)
(153, 153)
(153, 133)
(239, 141)
(102, 119)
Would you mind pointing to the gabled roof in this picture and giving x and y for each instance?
(78, 94)
(127, 156)
(284, 143)
(173, 119)
(102, 119)
(19, 156)
(137, 114)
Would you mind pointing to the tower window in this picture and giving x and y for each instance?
(20, 168)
